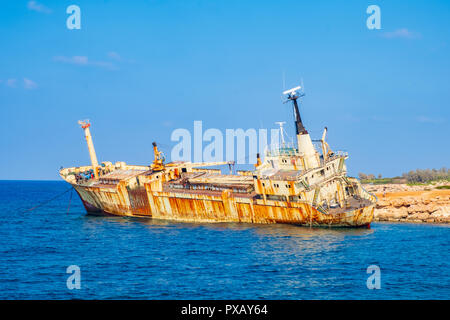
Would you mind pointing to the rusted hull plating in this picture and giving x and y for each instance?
(224, 207)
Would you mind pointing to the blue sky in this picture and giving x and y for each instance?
(140, 69)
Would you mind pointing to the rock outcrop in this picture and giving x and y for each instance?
(402, 203)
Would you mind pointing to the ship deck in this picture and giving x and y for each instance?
(351, 204)
(210, 184)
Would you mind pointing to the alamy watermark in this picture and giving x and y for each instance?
(374, 280)
(374, 20)
(212, 145)
(74, 280)
(74, 20)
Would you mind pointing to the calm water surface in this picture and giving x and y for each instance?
(124, 258)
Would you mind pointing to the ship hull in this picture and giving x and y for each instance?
(214, 207)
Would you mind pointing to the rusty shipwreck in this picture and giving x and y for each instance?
(292, 184)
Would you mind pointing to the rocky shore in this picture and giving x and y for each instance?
(403, 203)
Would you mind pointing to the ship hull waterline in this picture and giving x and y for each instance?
(216, 209)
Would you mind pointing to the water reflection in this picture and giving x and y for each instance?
(272, 230)
(264, 229)
(272, 244)
(307, 232)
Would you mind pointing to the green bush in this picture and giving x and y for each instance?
(424, 176)
(417, 177)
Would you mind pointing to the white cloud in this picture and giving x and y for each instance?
(350, 118)
(167, 123)
(401, 33)
(118, 58)
(380, 118)
(114, 55)
(11, 83)
(38, 7)
(29, 84)
(425, 119)
(79, 60)
(103, 64)
(84, 61)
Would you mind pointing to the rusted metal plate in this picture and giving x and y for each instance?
(139, 202)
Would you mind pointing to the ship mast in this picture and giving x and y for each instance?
(87, 134)
(305, 146)
(293, 96)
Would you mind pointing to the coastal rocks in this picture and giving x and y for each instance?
(394, 214)
(411, 204)
(421, 216)
(419, 208)
(442, 215)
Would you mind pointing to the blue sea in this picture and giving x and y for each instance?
(130, 258)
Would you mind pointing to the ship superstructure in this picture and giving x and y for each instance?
(293, 184)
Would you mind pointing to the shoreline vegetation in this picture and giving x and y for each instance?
(417, 177)
(421, 196)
